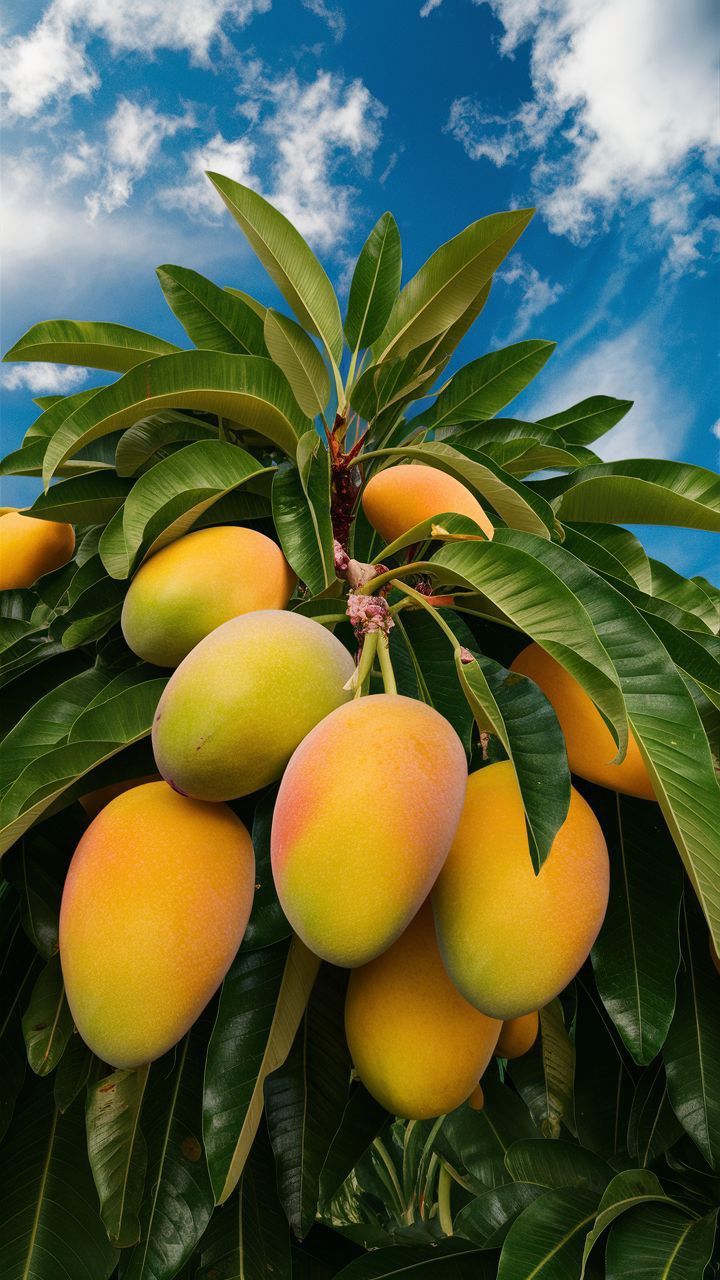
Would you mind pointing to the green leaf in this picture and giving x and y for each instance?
(515, 709)
(95, 344)
(692, 1048)
(301, 512)
(653, 1126)
(258, 307)
(588, 420)
(544, 1077)
(362, 1120)
(117, 723)
(645, 491)
(604, 1082)
(288, 260)
(28, 461)
(375, 284)
(117, 1150)
(305, 1099)
(478, 1141)
(554, 1163)
(628, 1190)
(425, 668)
(262, 1001)
(514, 502)
(19, 966)
(138, 444)
(212, 318)
(168, 499)
(449, 282)
(84, 499)
(635, 977)
(49, 1220)
(626, 550)
(52, 418)
(37, 869)
(546, 1241)
(656, 1242)
(660, 708)
(480, 389)
(300, 361)
(47, 1021)
(448, 1260)
(487, 1219)
(267, 923)
(75, 1070)
(684, 593)
(48, 722)
(249, 1239)
(247, 389)
(179, 1203)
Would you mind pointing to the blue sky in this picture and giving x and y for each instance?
(602, 113)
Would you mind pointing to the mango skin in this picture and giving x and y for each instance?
(512, 940)
(232, 714)
(589, 743)
(93, 801)
(363, 821)
(417, 1045)
(155, 905)
(30, 548)
(398, 498)
(192, 586)
(517, 1036)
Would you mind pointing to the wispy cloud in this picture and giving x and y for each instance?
(630, 366)
(134, 136)
(305, 133)
(536, 292)
(624, 99)
(42, 379)
(53, 63)
(330, 14)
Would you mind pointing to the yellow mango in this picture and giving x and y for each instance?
(398, 498)
(30, 547)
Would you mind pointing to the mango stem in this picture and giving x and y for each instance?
(386, 667)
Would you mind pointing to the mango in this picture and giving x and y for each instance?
(590, 745)
(244, 698)
(93, 801)
(510, 939)
(155, 904)
(398, 498)
(29, 548)
(417, 1045)
(190, 587)
(363, 821)
(517, 1036)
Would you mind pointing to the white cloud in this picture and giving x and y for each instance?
(630, 366)
(135, 134)
(716, 429)
(195, 194)
(537, 293)
(428, 7)
(52, 63)
(624, 98)
(334, 17)
(305, 133)
(42, 379)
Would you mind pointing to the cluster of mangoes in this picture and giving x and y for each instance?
(387, 858)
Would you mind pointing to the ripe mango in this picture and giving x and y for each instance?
(398, 498)
(417, 1045)
(29, 548)
(244, 698)
(517, 1036)
(190, 587)
(93, 801)
(363, 821)
(512, 940)
(154, 908)
(590, 745)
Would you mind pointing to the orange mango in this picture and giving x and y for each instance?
(154, 907)
(517, 1036)
(398, 498)
(510, 939)
(363, 822)
(417, 1045)
(190, 587)
(590, 745)
(232, 714)
(30, 547)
